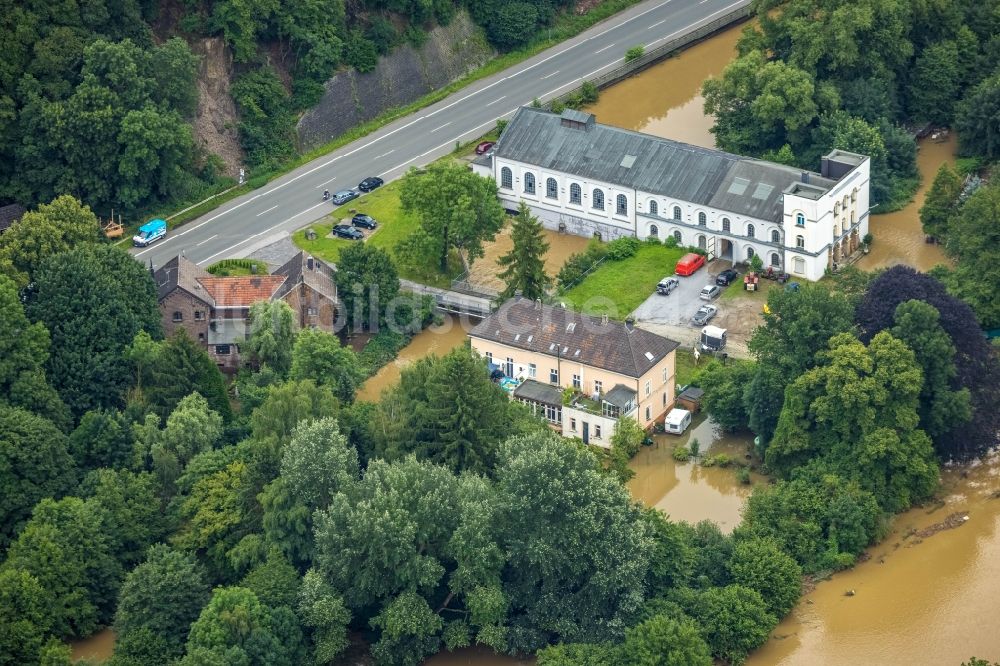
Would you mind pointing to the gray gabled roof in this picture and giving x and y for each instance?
(297, 269)
(574, 338)
(740, 185)
(539, 392)
(620, 395)
(181, 272)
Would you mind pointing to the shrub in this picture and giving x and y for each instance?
(623, 248)
(501, 125)
(580, 262)
(695, 447)
(557, 106)
(634, 52)
(589, 92)
(681, 453)
(743, 475)
(718, 460)
(670, 241)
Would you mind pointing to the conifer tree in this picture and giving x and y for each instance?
(524, 265)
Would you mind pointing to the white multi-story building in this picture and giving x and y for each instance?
(589, 179)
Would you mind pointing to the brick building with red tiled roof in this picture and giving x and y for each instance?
(214, 310)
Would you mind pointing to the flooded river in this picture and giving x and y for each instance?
(484, 272)
(97, 647)
(432, 340)
(918, 600)
(899, 238)
(665, 99)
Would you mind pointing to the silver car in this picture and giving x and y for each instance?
(709, 292)
(704, 315)
(666, 285)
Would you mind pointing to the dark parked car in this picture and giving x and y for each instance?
(704, 315)
(726, 277)
(484, 147)
(347, 231)
(366, 221)
(344, 196)
(370, 183)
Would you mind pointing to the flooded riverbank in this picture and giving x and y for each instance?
(665, 99)
(918, 599)
(899, 238)
(485, 271)
(98, 647)
(688, 491)
(437, 340)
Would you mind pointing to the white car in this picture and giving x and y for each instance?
(709, 291)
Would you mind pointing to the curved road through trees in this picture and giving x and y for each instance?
(260, 217)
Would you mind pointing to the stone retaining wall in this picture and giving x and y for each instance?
(400, 78)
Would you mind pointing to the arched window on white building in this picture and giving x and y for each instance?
(702, 219)
(653, 231)
(775, 236)
(653, 208)
(775, 259)
(800, 242)
(621, 205)
(506, 178)
(726, 225)
(529, 183)
(750, 253)
(678, 238)
(598, 202)
(575, 194)
(800, 220)
(702, 243)
(677, 212)
(551, 188)
(750, 231)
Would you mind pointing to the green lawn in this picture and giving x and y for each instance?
(393, 226)
(624, 284)
(685, 366)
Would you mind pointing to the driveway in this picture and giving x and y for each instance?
(670, 316)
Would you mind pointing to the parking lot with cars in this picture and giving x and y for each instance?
(674, 315)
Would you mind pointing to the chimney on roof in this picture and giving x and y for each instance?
(311, 263)
(253, 268)
(604, 319)
(630, 324)
(538, 304)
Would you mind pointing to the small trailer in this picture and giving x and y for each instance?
(713, 339)
(150, 232)
(677, 421)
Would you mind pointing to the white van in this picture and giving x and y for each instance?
(677, 421)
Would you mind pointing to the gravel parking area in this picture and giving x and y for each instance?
(670, 316)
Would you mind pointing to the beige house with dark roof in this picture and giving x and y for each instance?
(615, 369)
(215, 310)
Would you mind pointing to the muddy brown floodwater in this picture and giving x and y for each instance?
(899, 238)
(97, 647)
(918, 600)
(437, 340)
(485, 271)
(665, 99)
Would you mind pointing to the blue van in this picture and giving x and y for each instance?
(152, 231)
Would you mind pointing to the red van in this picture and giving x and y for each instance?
(689, 263)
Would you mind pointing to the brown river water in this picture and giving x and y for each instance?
(917, 599)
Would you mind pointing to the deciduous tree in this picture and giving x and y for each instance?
(319, 356)
(52, 228)
(367, 283)
(34, 464)
(93, 300)
(178, 368)
(25, 617)
(235, 627)
(941, 203)
(457, 208)
(317, 463)
(163, 596)
(761, 565)
(665, 641)
(733, 619)
(551, 494)
(271, 336)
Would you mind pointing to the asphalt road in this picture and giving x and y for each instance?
(261, 217)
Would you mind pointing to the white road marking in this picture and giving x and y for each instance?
(549, 75)
(657, 23)
(207, 239)
(385, 154)
(496, 100)
(401, 165)
(266, 211)
(441, 127)
(604, 49)
(205, 261)
(436, 111)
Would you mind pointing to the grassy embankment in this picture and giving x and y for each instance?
(394, 225)
(618, 287)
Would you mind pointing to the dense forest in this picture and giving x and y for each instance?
(817, 74)
(274, 519)
(96, 97)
